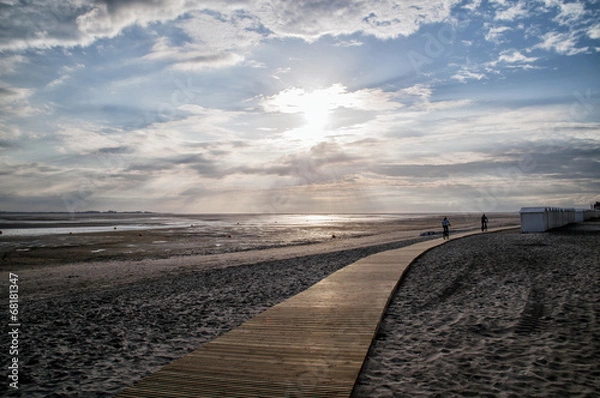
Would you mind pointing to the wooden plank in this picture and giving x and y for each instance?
(313, 344)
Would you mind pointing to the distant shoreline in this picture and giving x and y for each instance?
(193, 241)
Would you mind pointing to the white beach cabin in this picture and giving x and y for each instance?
(540, 219)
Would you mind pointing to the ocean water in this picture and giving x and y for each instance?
(150, 234)
(37, 224)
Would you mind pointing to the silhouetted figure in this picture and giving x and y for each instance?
(484, 221)
(446, 225)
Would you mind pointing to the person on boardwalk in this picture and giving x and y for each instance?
(446, 225)
(484, 221)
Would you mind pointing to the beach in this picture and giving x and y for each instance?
(95, 343)
(494, 315)
(91, 327)
(67, 263)
(93, 322)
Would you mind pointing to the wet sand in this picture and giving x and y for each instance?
(57, 265)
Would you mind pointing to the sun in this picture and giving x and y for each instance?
(316, 107)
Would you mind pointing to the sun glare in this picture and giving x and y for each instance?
(316, 111)
(315, 106)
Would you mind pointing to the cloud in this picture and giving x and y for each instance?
(421, 91)
(9, 144)
(16, 102)
(45, 24)
(238, 30)
(35, 25)
(9, 64)
(512, 58)
(10, 94)
(512, 13)
(575, 20)
(418, 98)
(349, 43)
(464, 74)
(107, 18)
(323, 162)
(66, 73)
(570, 13)
(383, 19)
(316, 115)
(69, 23)
(215, 41)
(566, 23)
(310, 100)
(299, 100)
(83, 139)
(593, 32)
(563, 43)
(495, 34)
(199, 163)
(511, 175)
(443, 170)
(203, 61)
(190, 56)
(473, 5)
(37, 180)
(515, 56)
(6, 92)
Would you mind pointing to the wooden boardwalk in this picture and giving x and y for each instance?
(311, 345)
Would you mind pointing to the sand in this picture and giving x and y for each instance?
(91, 328)
(495, 315)
(94, 339)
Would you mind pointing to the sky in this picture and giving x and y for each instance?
(311, 106)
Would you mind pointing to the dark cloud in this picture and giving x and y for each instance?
(39, 23)
(35, 169)
(198, 162)
(571, 165)
(198, 190)
(48, 23)
(275, 170)
(43, 24)
(438, 171)
(5, 92)
(209, 59)
(17, 203)
(148, 167)
(116, 150)
(9, 144)
(564, 160)
(324, 162)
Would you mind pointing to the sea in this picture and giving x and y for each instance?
(183, 234)
(37, 224)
